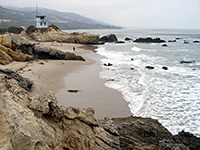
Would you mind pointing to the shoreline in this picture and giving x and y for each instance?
(59, 76)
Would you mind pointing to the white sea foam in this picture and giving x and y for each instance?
(137, 49)
(171, 96)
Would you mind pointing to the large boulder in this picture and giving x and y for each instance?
(149, 40)
(44, 52)
(109, 38)
(17, 56)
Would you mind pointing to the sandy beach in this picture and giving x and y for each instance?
(59, 76)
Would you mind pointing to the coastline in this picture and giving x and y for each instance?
(59, 76)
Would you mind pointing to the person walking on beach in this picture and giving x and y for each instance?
(74, 49)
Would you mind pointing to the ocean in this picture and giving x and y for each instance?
(172, 96)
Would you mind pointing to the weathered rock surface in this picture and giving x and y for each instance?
(52, 35)
(23, 82)
(17, 56)
(43, 52)
(149, 40)
(34, 122)
(109, 38)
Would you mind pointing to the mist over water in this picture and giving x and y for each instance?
(172, 96)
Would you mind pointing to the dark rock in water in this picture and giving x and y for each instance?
(109, 38)
(164, 45)
(196, 41)
(172, 41)
(187, 62)
(132, 68)
(178, 38)
(149, 40)
(132, 59)
(109, 64)
(186, 42)
(120, 42)
(73, 91)
(149, 67)
(128, 39)
(23, 82)
(188, 139)
(43, 52)
(164, 68)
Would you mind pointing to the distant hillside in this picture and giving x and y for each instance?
(64, 20)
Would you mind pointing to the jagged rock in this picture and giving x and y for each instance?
(109, 38)
(43, 52)
(188, 139)
(17, 56)
(6, 40)
(149, 40)
(109, 64)
(5, 58)
(23, 82)
(171, 145)
(31, 121)
(140, 133)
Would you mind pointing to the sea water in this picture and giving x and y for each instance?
(172, 96)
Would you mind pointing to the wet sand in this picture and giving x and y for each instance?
(59, 76)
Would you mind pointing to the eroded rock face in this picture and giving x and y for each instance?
(36, 122)
(17, 56)
(44, 52)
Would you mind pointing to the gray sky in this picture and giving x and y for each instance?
(129, 13)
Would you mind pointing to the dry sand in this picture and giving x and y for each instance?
(59, 76)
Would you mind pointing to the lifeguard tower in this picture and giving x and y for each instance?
(41, 22)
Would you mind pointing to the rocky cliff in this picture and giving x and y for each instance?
(36, 122)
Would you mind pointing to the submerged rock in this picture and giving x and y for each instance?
(109, 38)
(164, 45)
(187, 62)
(172, 41)
(149, 67)
(128, 39)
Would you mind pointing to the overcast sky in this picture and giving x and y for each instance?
(128, 13)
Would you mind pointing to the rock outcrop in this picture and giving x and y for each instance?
(22, 82)
(109, 38)
(34, 122)
(44, 52)
(149, 40)
(8, 55)
(51, 35)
